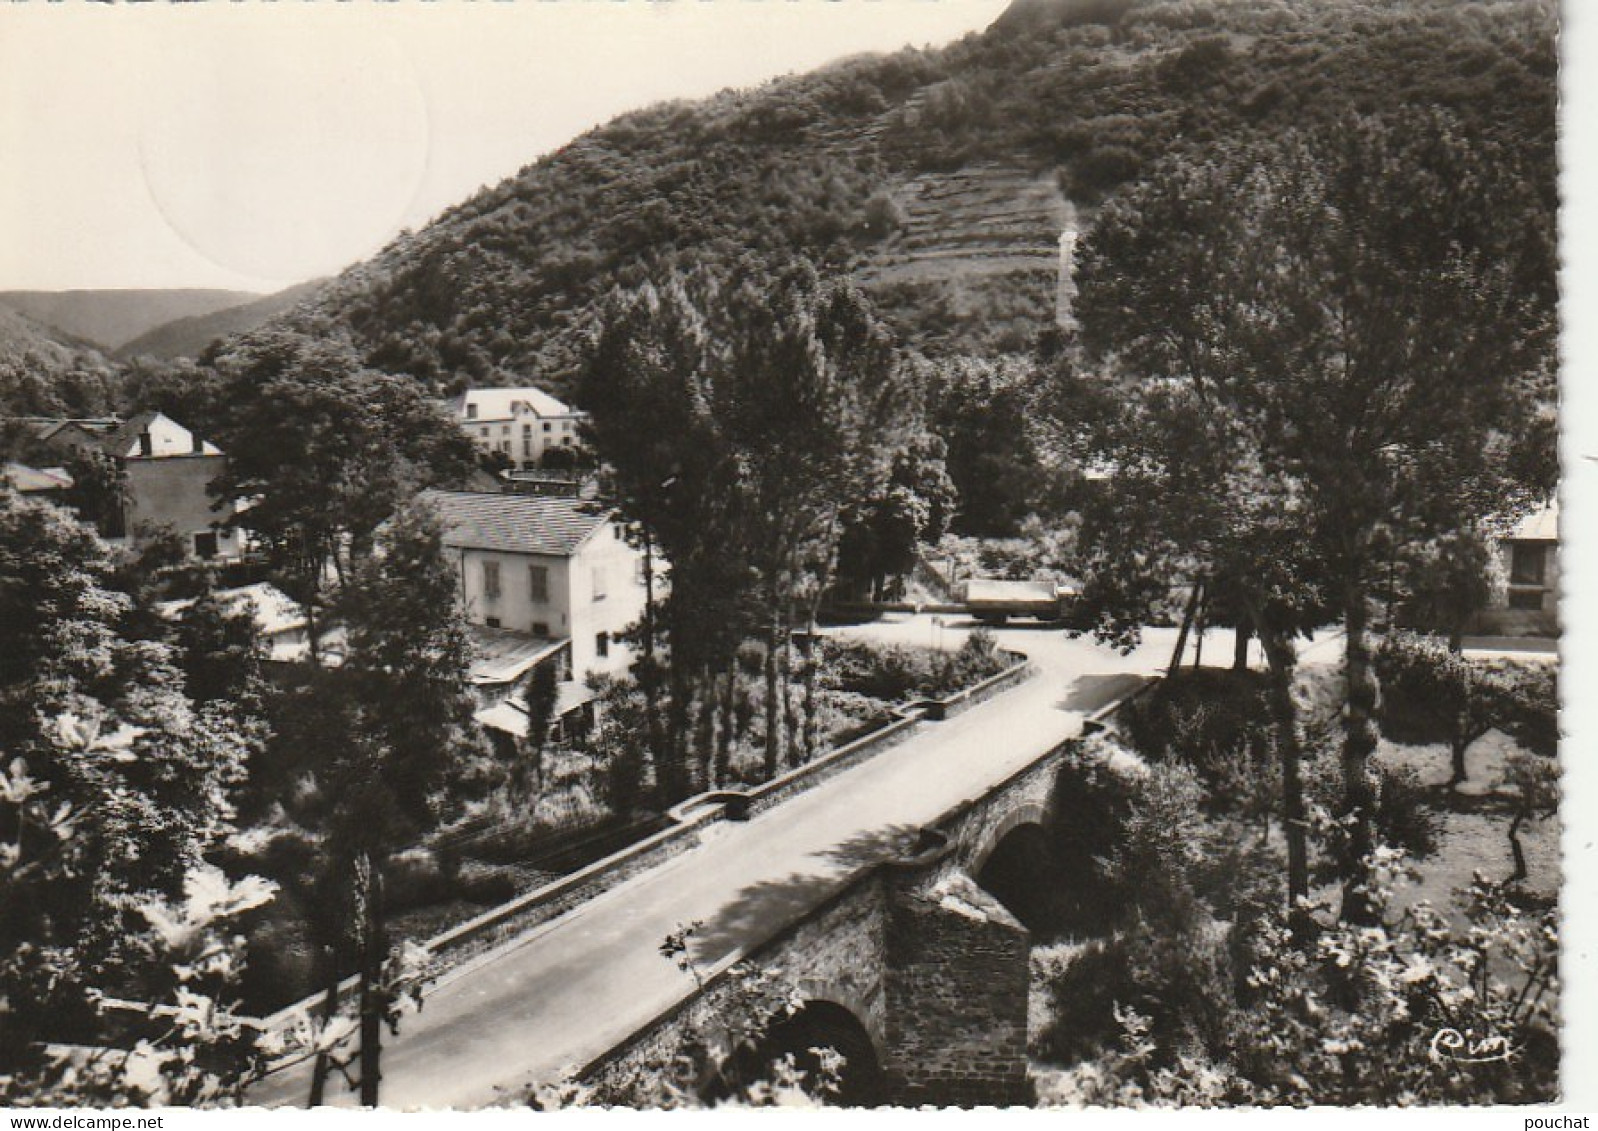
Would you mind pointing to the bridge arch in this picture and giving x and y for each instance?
(817, 1024)
(1026, 812)
(1019, 866)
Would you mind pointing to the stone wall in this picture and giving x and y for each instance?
(836, 953)
(957, 982)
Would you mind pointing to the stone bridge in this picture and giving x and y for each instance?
(916, 970)
(891, 883)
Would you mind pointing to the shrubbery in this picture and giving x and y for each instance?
(892, 673)
(1433, 694)
(1185, 1001)
(1208, 719)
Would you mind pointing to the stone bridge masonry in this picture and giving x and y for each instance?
(933, 969)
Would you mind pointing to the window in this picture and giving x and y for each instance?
(538, 583)
(492, 622)
(546, 426)
(1526, 599)
(527, 430)
(1526, 563)
(471, 411)
(527, 447)
(491, 580)
(482, 432)
(599, 583)
(602, 645)
(504, 429)
(205, 545)
(540, 628)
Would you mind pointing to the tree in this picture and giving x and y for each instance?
(1183, 510)
(408, 712)
(116, 786)
(1370, 309)
(1533, 781)
(1429, 691)
(741, 415)
(815, 407)
(880, 535)
(984, 410)
(326, 450)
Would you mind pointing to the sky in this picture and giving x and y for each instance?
(251, 146)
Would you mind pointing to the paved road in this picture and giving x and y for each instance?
(580, 984)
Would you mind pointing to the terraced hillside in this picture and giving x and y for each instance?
(978, 247)
(941, 180)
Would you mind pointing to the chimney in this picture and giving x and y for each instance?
(146, 444)
(1065, 295)
(198, 445)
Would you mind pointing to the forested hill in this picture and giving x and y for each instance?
(940, 179)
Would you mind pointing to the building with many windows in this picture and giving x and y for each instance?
(519, 424)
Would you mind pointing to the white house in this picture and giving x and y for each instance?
(281, 623)
(519, 424)
(546, 568)
(169, 472)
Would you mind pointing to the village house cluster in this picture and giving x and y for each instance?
(546, 575)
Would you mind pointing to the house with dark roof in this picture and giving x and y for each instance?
(168, 472)
(545, 568)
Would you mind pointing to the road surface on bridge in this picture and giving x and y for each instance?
(577, 986)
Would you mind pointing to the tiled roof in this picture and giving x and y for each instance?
(124, 439)
(495, 404)
(516, 524)
(123, 442)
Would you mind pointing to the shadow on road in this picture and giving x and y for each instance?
(761, 910)
(1087, 693)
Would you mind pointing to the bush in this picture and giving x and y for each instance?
(487, 884)
(1207, 719)
(415, 878)
(1181, 982)
(893, 673)
(1404, 818)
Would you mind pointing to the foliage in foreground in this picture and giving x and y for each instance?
(1409, 1010)
(1204, 989)
(115, 785)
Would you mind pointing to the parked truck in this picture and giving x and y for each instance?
(992, 601)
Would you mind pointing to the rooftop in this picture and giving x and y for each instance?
(28, 479)
(1540, 526)
(501, 656)
(499, 404)
(516, 524)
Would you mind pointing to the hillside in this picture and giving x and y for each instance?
(940, 180)
(44, 372)
(188, 337)
(110, 318)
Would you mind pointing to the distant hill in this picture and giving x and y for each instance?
(188, 337)
(940, 180)
(45, 372)
(111, 318)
